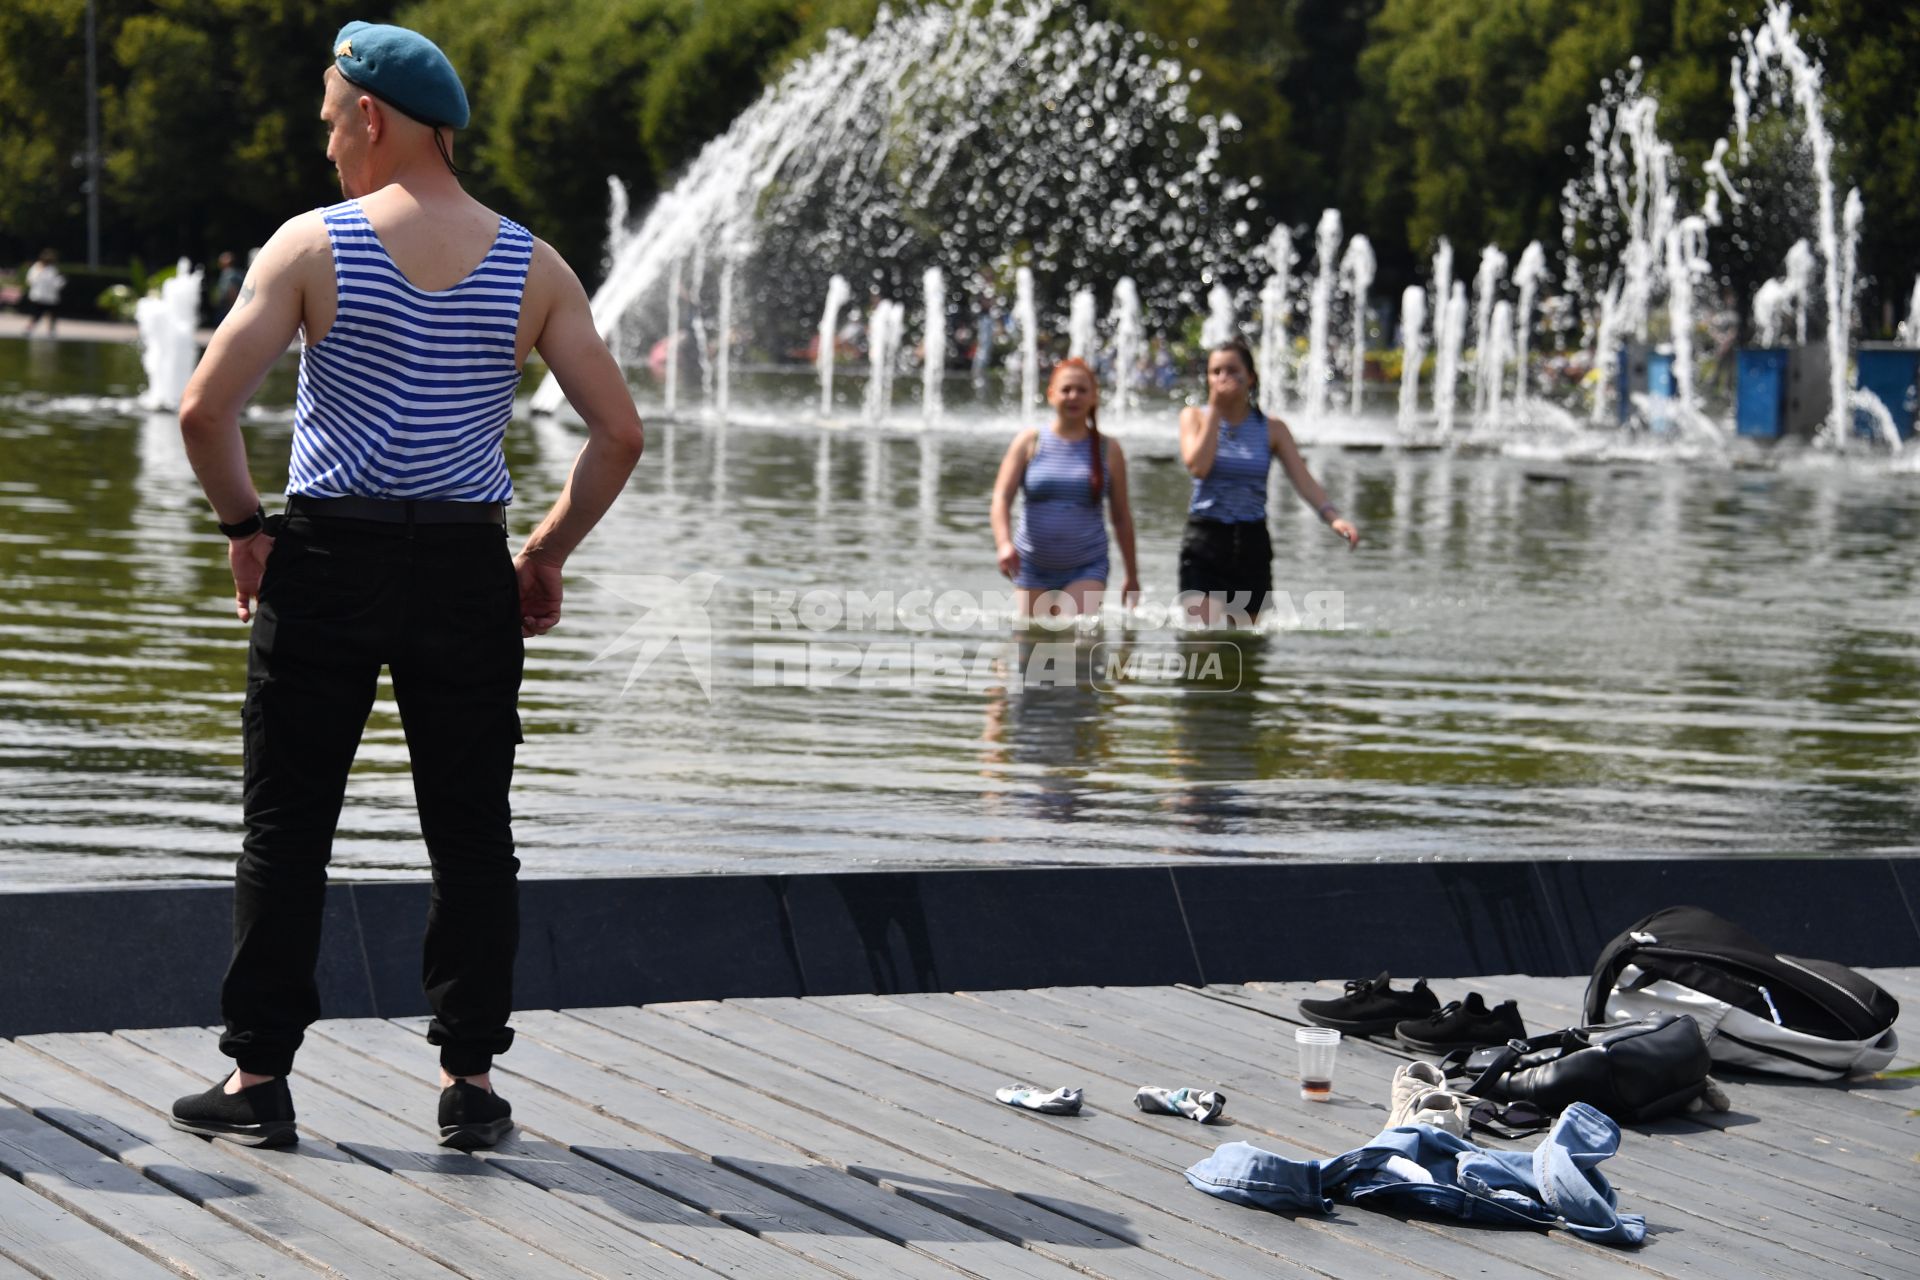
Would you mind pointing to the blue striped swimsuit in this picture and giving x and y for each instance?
(1062, 534)
(409, 393)
(1235, 490)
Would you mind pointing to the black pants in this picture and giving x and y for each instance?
(1233, 561)
(438, 606)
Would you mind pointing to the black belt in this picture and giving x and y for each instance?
(398, 510)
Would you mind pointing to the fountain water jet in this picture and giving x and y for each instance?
(1275, 299)
(886, 324)
(168, 348)
(670, 389)
(1446, 374)
(1493, 359)
(1527, 277)
(723, 356)
(1220, 325)
(1081, 323)
(1356, 276)
(1413, 318)
(1327, 248)
(933, 344)
(1026, 318)
(829, 338)
(1486, 284)
(1126, 341)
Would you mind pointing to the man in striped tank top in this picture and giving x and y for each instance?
(416, 307)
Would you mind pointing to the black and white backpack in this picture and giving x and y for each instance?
(1759, 1010)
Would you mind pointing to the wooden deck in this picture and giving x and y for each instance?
(857, 1136)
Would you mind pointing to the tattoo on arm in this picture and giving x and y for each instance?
(246, 295)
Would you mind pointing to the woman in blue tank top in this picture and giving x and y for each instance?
(1228, 445)
(1063, 471)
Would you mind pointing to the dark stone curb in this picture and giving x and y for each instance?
(130, 956)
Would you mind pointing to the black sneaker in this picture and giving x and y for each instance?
(1463, 1024)
(258, 1116)
(471, 1117)
(1371, 1007)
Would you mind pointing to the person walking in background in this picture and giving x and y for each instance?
(1064, 471)
(1228, 446)
(226, 289)
(44, 286)
(418, 306)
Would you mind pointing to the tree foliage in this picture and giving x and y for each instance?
(1417, 118)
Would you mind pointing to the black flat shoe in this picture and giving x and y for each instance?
(471, 1117)
(258, 1116)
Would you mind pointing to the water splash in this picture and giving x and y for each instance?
(1686, 265)
(829, 335)
(1356, 277)
(1910, 328)
(1327, 250)
(168, 348)
(1413, 318)
(950, 133)
(933, 344)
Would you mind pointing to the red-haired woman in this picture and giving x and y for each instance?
(1228, 446)
(1064, 471)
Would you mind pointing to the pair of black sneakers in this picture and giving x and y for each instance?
(261, 1115)
(1415, 1017)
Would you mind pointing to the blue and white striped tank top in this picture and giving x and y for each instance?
(409, 393)
(1235, 491)
(1061, 523)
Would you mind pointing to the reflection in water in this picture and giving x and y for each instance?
(1610, 659)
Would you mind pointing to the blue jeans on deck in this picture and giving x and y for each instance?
(1424, 1169)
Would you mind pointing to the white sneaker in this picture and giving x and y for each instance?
(1420, 1096)
(1204, 1106)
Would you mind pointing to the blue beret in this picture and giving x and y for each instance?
(405, 68)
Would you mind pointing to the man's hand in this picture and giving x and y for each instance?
(539, 594)
(248, 557)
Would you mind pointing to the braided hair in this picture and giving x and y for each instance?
(1098, 474)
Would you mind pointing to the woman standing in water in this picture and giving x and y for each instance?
(1228, 445)
(1064, 470)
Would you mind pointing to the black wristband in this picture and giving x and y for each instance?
(248, 527)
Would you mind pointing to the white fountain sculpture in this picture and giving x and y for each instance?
(1126, 342)
(1275, 300)
(1413, 318)
(1327, 249)
(168, 348)
(933, 345)
(829, 334)
(1356, 277)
